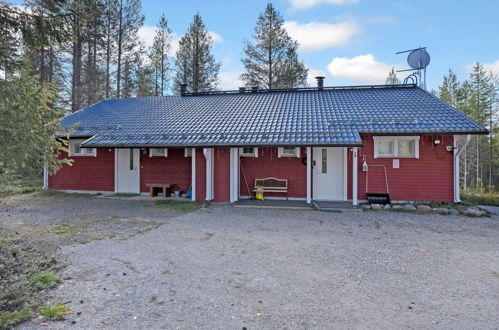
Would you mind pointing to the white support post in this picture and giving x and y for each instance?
(309, 175)
(193, 174)
(45, 175)
(208, 154)
(234, 174)
(354, 176)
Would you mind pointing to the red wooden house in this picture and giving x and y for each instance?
(325, 141)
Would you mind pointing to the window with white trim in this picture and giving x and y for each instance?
(75, 149)
(248, 152)
(158, 152)
(396, 146)
(288, 152)
(187, 152)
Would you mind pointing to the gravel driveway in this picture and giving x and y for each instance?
(227, 268)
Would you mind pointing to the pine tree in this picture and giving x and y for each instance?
(130, 19)
(195, 65)
(159, 56)
(270, 57)
(392, 78)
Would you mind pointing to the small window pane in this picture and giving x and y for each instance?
(249, 151)
(407, 148)
(324, 161)
(289, 151)
(385, 147)
(76, 148)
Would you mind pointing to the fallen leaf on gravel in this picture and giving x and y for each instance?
(237, 273)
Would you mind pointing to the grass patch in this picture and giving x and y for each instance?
(46, 278)
(124, 195)
(11, 185)
(9, 319)
(63, 229)
(26, 272)
(176, 206)
(473, 198)
(54, 313)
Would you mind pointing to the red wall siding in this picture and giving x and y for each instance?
(429, 178)
(222, 174)
(200, 175)
(269, 165)
(86, 173)
(172, 169)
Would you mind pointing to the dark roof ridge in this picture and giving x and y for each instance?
(298, 89)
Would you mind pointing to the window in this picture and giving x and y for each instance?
(187, 152)
(396, 146)
(248, 152)
(288, 152)
(158, 152)
(75, 149)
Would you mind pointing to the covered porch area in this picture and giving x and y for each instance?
(302, 176)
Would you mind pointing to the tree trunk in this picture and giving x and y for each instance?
(120, 40)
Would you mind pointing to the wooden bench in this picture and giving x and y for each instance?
(155, 188)
(273, 185)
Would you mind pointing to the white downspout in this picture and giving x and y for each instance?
(354, 176)
(309, 175)
(457, 155)
(193, 175)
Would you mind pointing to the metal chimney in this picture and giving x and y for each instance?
(183, 89)
(320, 82)
(254, 89)
(242, 90)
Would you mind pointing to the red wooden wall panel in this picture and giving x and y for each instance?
(222, 174)
(86, 173)
(172, 169)
(269, 165)
(429, 178)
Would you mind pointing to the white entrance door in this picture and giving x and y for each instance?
(127, 171)
(329, 174)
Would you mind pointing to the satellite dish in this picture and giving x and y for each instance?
(418, 59)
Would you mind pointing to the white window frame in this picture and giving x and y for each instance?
(281, 153)
(155, 154)
(84, 152)
(247, 154)
(187, 152)
(396, 140)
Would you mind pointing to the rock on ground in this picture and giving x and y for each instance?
(423, 208)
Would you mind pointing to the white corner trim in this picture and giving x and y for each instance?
(309, 175)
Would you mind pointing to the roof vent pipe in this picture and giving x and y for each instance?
(242, 90)
(320, 82)
(254, 89)
(183, 89)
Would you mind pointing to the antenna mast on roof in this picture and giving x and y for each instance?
(418, 59)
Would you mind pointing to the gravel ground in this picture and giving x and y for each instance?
(227, 268)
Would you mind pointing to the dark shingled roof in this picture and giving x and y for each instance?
(333, 116)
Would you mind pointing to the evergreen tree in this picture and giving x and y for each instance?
(195, 65)
(159, 56)
(130, 19)
(392, 78)
(270, 57)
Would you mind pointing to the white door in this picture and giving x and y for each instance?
(127, 171)
(329, 174)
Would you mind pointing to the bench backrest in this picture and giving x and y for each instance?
(272, 183)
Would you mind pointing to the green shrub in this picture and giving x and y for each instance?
(9, 319)
(476, 198)
(44, 278)
(54, 313)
